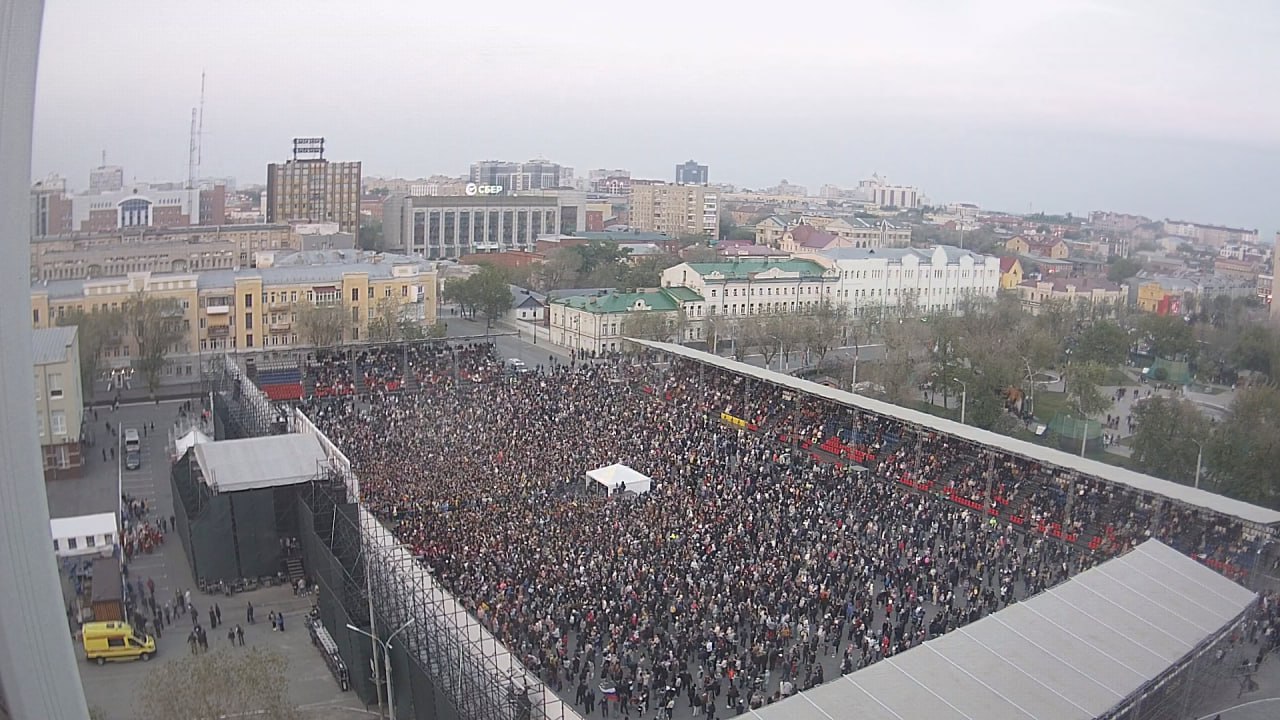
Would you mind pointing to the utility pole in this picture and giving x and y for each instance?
(964, 397)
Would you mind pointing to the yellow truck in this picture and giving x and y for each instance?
(115, 640)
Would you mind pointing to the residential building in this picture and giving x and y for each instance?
(599, 324)
(879, 191)
(1248, 270)
(106, 179)
(158, 250)
(1101, 294)
(786, 189)
(1151, 288)
(1037, 247)
(527, 306)
(1213, 235)
(753, 286)
(1113, 222)
(512, 177)
(59, 399)
(613, 185)
(310, 189)
(854, 231)
(676, 210)
(691, 173)
(439, 227)
(50, 207)
(914, 280)
(250, 308)
(1010, 273)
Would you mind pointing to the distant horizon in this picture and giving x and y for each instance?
(1053, 106)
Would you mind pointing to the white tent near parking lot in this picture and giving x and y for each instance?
(618, 474)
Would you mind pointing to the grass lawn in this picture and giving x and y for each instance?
(1049, 404)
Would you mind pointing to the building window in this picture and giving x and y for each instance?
(248, 340)
(71, 543)
(54, 382)
(248, 300)
(35, 316)
(355, 294)
(58, 422)
(370, 292)
(248, 321)
(89, 541)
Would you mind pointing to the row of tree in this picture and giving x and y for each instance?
(154, 326)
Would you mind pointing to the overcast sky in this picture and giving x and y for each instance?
(1162, 107)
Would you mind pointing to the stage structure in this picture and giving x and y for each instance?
(619, 478)
(234, 506)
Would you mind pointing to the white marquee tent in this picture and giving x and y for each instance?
(609, 477)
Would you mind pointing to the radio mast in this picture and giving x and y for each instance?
(194, 152)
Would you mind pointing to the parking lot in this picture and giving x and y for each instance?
(113, 688)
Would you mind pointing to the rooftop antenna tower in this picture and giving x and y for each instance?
(197, 131)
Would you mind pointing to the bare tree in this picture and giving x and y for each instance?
(821, 329)
(388, 320)
(320, 325)
(157, 327)
(219, 684)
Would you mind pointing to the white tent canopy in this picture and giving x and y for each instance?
(84, 534)
(611, 476)
(188, 441)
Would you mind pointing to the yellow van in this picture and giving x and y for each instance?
(105, 641)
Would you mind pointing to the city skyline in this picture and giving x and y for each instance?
(1058, 107)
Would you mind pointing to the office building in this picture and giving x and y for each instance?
(878, 191)
(251, 308)
(691, 173)
(514, 177)
(106, 179)
(1213, 235)
(54, 212)
(50, 207)
(914, 281)
(599, 324)
(310, 189)
(158, 250)
(59, 399)
(675, 210)
(448, 227)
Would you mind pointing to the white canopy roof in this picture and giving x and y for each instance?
(1078, 650)
(1022, 448)
(188, 441)
(83, 525)
(260, 462)
(631, 480)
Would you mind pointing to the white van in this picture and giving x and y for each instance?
(132, 443)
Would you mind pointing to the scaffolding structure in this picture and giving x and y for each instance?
(240, 408)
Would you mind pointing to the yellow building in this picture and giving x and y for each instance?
(251, 309)
(59, 400)
(1102, 295)
(1051, 248)
(1010, 273)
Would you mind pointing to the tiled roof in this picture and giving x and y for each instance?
(1006, 263)
(808, 236)
(52, 345)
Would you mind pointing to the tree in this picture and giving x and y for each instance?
(1121, 269)
(1104, 342)
(1083, 388)
(821, 329)
(1245, 450)
(370, 234)
(647, 325)
(700, 253)
(320, 325)
(388, 321)
(94, 331)
(560, 270)
(1165, 443)
(1256, 349)
(157, 327)
(219, 684)
(1169, 336)
(492, 293)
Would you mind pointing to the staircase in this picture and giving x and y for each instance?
(293, 565)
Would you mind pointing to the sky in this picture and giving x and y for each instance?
(1166, 108)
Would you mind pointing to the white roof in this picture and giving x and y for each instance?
(188, 441)
(1111, 473)
(611, 475)
(83, 525)
(52, 345)
(1078, 650)
(260, 462)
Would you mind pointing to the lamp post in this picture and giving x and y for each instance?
(386, 660)
(1199, 461)
(964, 397)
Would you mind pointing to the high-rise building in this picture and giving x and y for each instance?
(106, 178)
(50, 207)
(512, 177)
(675, 210)
(878, 191)
(691, 173)
(310, 189)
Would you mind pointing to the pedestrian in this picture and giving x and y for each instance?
(231, 636)
(113, 452)
(218, 612)
(280, 621)
(104, 454)
(191, 640)
(272, 616)
(213, 619)
(195, 615)
(240, 635)
(248, 613)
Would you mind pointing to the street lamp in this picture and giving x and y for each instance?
(964, 397)
(1199, 461)
(386, 659)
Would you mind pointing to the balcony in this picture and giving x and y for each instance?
(218, 310)
(219, 331)
(279, 306)
(280, 327)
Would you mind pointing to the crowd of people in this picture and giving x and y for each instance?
(767, 557)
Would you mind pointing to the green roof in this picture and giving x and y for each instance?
(745, 268)
(684, 294)
(625, 302)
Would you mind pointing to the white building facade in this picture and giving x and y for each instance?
(919, 281)
(750, 286)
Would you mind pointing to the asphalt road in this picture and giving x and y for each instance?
(113, 688)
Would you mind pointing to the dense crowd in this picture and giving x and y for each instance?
(765, 559)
